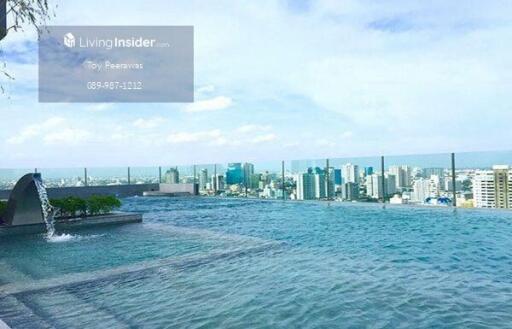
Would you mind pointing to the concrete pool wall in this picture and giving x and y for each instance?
(73, 223)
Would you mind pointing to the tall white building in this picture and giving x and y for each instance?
(403, 176)
(421, 190)
(218, 182)
(374, 186)
(493, 188)
(350, 173)
(436, 185)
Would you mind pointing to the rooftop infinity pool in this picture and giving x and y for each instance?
(210, 263)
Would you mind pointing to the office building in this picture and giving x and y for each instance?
(305, 186)
(350, 173)
(349, 191)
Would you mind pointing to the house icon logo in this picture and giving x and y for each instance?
(69, 40)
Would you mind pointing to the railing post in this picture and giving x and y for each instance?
(86, 182)
(383, 179)
(245, 180)
(129, 178)
(327, 179)
(282, 177)
(215, 178)
(454, 182)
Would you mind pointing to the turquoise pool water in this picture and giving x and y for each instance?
(209, 263)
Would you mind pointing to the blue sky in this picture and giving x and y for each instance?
(282, 80)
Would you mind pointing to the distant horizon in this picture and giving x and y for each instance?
(464, 160)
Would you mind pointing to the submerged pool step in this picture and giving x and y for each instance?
(17, 315)
(102, 275)
(25, 310)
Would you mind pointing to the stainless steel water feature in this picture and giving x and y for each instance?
(28, 203)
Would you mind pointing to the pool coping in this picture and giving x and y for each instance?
(71, 223)
(4, 325)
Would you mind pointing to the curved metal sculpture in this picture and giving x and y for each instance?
(24, 205)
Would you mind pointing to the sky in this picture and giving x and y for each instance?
(281, 80)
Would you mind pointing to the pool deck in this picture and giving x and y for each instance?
(71, 223)
(3, 325)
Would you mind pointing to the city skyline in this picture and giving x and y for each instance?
(398, 184)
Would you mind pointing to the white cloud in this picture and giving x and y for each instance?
(31, 132)
(194, 137)
(264, 138)
(148, 123)
(206, 89)
(250, 128)
(66, 136)
(402, 65)
(100, 107)
(213, 104)
(325, 142)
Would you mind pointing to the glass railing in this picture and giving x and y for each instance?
(477, 179)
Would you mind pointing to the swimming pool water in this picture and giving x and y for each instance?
(208, 263)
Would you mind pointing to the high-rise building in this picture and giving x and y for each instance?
(368, 171)
(254, 181)
(402, 174)
(305, 186)
(349, 191)
(172, 176)
(203, 179)
(350, 173)
(337, 177)
(330, 183)
(427, 172)
(248, 171)
(218, 183)
(436, 185)
(374, 186)
(503, 186)
(320, 187)
(391, 185)
(493, 188)
(234, 174)
(421, 190)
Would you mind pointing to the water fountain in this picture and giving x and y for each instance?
(46, 208)
(29, 205)
(29, 211)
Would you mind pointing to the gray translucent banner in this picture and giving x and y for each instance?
(116, 64)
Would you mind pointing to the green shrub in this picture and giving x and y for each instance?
(3, 207)
(70, 206)
(102, 204)
(94, 205)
